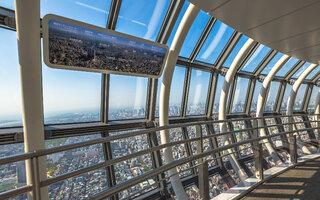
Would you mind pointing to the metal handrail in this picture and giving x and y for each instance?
(176, 163)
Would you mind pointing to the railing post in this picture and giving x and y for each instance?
(203, 179)
(293, 149)
(258, 159)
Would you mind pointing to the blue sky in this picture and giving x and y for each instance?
(72, 91)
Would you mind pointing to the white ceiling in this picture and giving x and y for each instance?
(289, 26)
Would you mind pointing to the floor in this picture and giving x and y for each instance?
(301, 182)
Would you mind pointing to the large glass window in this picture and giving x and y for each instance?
(91, 12)
(313, 73)
(255, 96)
(70, 96)
(313, 98)
(235, 51)
(301, 70)
(286, 67)
(299, 101)
(285, 97)
(142, 21)
(272, 96)
(127, 98)
(194, 34)
(10, 101)
(174, 30)
(198, 92)
(256, 58)
(217, 94)
(215, 42)
(273, 61)
(176, 92)
(240, 94)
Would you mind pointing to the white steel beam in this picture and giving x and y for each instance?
(261, 103)
(29, 43)
(291, 101)
(223, 101)
(175, 48)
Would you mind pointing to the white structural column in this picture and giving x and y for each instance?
(175, 48)
(261, 103)
(28, 34)
(291, 101)
(223, 101)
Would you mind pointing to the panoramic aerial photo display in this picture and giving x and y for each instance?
(72, 45)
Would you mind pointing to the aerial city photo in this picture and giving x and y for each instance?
(72, 45)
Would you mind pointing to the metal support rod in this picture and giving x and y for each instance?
(317, 112)
(258, 159)
(293, 149)
(29, 43)
(223, 100)
(292, 99)
(175, 48)
(261, 103)
(203, 179)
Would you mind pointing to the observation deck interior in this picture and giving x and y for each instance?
(234, 115)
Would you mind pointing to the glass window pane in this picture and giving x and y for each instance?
(286, 67)
(194, 34)
(70, 96)
(176, 92)
(300, 97)
(285, 97)
(198, 92)
(256, 58)
(127, 98)
(142, 18)
(215, 42)
(235, 51)
(7, 4)
(313, 98)
(313, 73)
(301, 70)
(273, 61)
(240, 95)
(217, 94)
(92, 12)
(272, 96)
(174, 30)
(10, 101)
(255, 96)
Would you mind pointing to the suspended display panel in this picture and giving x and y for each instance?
(69, 44)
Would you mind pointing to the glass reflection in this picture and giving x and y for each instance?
(142, 21)
(313, 98)
(286, 67)
(174, 30)
(217, 94)
(235, 51)
(300, 97)
(272, 96)
(256, 58)
(198, 92)
(240, 95)
(313, 73)
(91, 12)
(7, 4)
(285, 97)
(255, 96)
(273, 61)
(127, 97)
(176, 92)
(215, 42)
(194, 34)
(301, 70)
